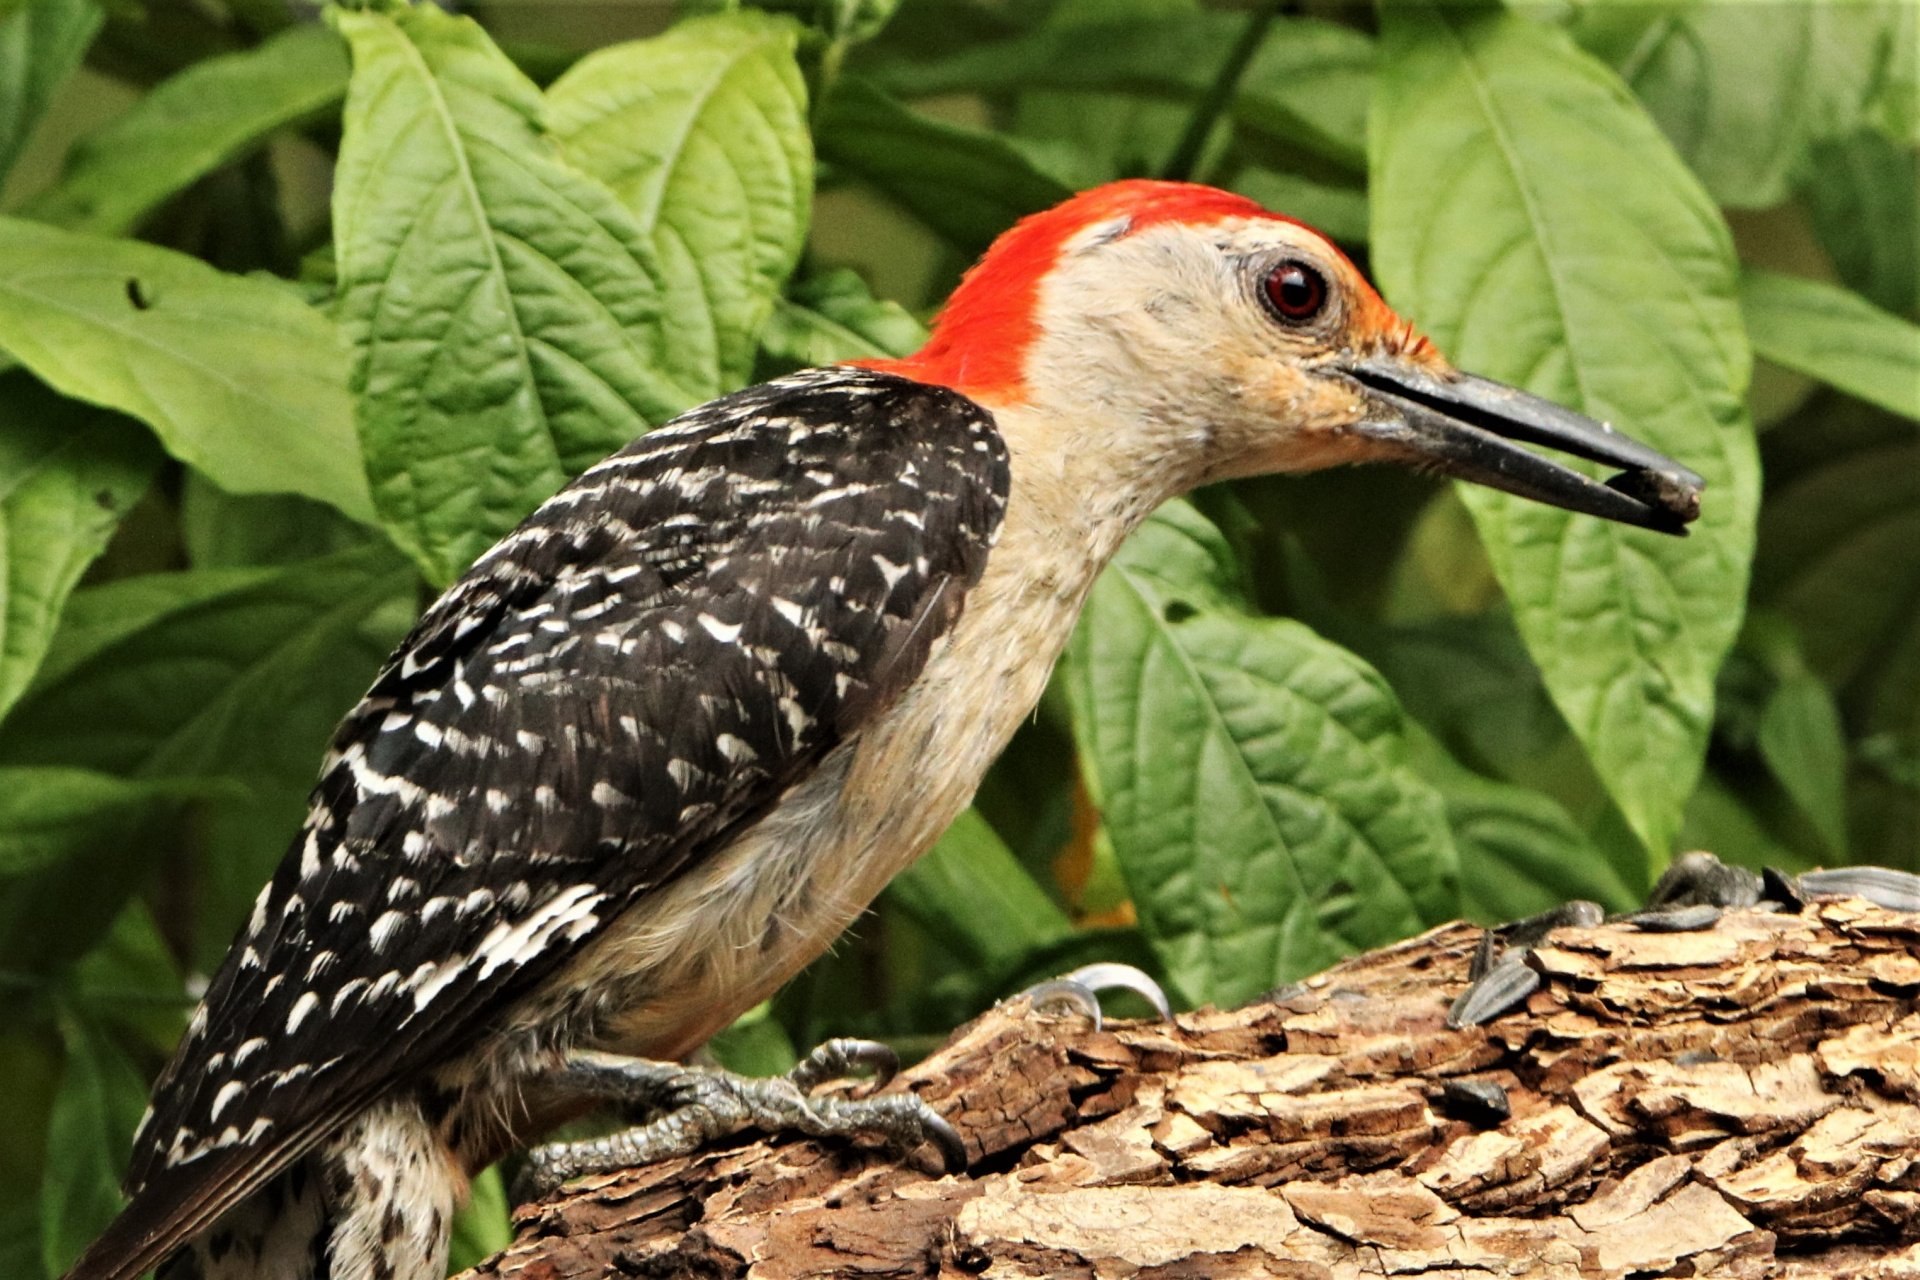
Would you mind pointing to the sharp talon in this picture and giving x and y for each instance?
(1065, 991)
(953, 1151)
(1080, 990)
(839, 1058)
(1109, 976)
(1882, 886)
(1503, 988)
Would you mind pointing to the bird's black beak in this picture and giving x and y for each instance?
(1467, 427)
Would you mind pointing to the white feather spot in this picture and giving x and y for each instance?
(724, 632)
(305, 1005)
(384, 929)
(229, 1091)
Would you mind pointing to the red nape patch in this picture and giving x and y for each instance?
(981, 336)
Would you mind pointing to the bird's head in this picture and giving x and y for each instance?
(1198, 336)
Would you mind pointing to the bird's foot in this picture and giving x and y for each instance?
(1692, 894)
(1080, 990)
(693, 1106)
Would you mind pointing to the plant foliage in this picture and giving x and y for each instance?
(325, 305)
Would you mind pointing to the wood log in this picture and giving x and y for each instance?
(1742, 1101)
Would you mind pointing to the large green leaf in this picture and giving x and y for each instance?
(1533, 220)
(211, 674)
(1251, 774)
(94, 1115)
(41, 42)
(1520, 853)
(1837, 560)
(47, 812)
(509, 322)
(1803, 743)
(702, 133)
(1308, 82)
(192, 124)
(481, 1227)
(966, 184)
(237, 377)
(68, 472)
(1835, 335)
(1744, 93)
(834, 317)
(972, 894)
(1863, 193)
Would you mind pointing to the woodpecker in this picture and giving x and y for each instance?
(669, 737)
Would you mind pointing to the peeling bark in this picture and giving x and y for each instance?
(1741, 1102)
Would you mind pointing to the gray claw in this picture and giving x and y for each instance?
(1080, 990)
(953, 1151)
(840, 1057)
(1063, 992)
(1109, 976)
(1882, 886)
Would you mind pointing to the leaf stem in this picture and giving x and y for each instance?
(1186, 156)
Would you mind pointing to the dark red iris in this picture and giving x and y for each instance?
(1296, 291)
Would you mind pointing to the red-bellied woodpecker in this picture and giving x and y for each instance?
(668, 738)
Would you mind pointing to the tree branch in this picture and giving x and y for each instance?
(1736, 1102)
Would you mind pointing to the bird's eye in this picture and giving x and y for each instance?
(1296, 291)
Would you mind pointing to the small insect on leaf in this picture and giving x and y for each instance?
(137, 295)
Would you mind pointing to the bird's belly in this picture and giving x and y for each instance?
(687, 959)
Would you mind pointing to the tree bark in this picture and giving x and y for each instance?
(1742, 1101)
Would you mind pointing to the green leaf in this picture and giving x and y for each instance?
(1308, 83)
(1335, 210)
(1803, 744)
(1864, 196)
(702, 133)
(1533, 220)
(1836, 559)
(47, 812)
(222, 531)
(206, 116)
(1520, 854)
(20, 1253)
(833, 317)
(972, 895)
(509, 322)
(966, 184)
(1251, 774)
(68, 472)
(231, 674)
(1742, 99)
(133, 980)
(482, 1228)
(237, 376)
(1835, 335)
(41, 42)
(94, 1115)
(755, 1044)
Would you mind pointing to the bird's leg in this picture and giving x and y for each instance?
(1691, 894)
(693, 1106)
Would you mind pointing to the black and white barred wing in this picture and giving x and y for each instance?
(607, 698)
